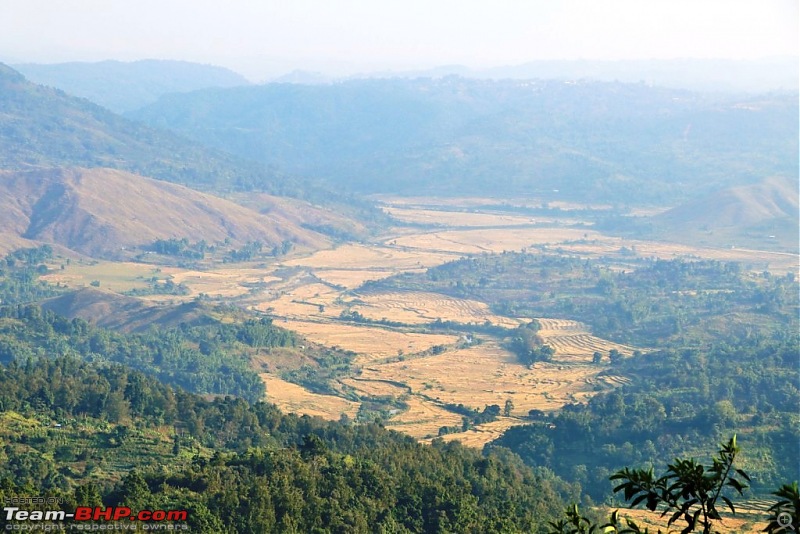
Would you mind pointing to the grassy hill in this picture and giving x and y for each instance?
(763, 215)
(125, 314)
(124, 86)
(104, 212)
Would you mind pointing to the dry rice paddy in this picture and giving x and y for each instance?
(486, 374)
(483, 434)
(572, 341)
(372, 257)
(423, 419)
(417, 307)
(458, 218)
(369, 343)
(353, 278)
(492, 240)
(309, 293)
(291, 398)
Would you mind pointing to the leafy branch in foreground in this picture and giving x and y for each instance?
(688, 490)
(789, 503)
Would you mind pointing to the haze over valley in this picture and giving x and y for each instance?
(401, 296)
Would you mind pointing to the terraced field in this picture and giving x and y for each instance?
(369, 343)
(572, 341)
(482, 434)
(416, 307)
(292, 398)
(422, 419)
(477, 241)
(309, 293)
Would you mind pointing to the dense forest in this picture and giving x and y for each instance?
(93, 434)
(200, 358)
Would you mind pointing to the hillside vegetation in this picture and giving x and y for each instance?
(622, 143)
(105, 212)
(44, 127)
(124, 86)
(644, 302)
(240, 467)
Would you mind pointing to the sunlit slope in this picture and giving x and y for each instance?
(104, 212)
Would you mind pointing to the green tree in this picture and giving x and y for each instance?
(688, 491)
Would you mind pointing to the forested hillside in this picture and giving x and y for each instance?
(44, 127)
(680, 403)
(93, 434)
(651, 303)
(124, 86)
(614, 142)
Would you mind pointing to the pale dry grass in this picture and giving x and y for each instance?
(375, 388)
(422, 419)
(370, 343)
(220, 282)
(758, 260)
(354, 256)
(740, 524)
(418, 307)
(291, 398)
(113, 276)
(482, 434)
(493, 239)
(351, 279)
(486, 374)
(458, 218)
(315, 301)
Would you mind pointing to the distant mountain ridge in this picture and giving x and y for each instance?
(42, 127)
(715, 75)
(454, 136)
(104, 212)
(124, 86)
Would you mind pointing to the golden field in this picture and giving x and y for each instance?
(308, 293)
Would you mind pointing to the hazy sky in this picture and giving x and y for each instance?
(265, 38)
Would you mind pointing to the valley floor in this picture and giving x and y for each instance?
(414, 373)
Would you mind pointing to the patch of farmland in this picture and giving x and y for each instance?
(482, 434)
(573, 343)
(493, 240)
(418, 307)
(113, 276)
(353, 278)
(355, 256)
(758, 260)
(375, 388)
(291, 398)
(219, 283)
(422, 419)
(458, 218)
(312, 300)
(487, 374)
(370, 343)
(744, 521)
